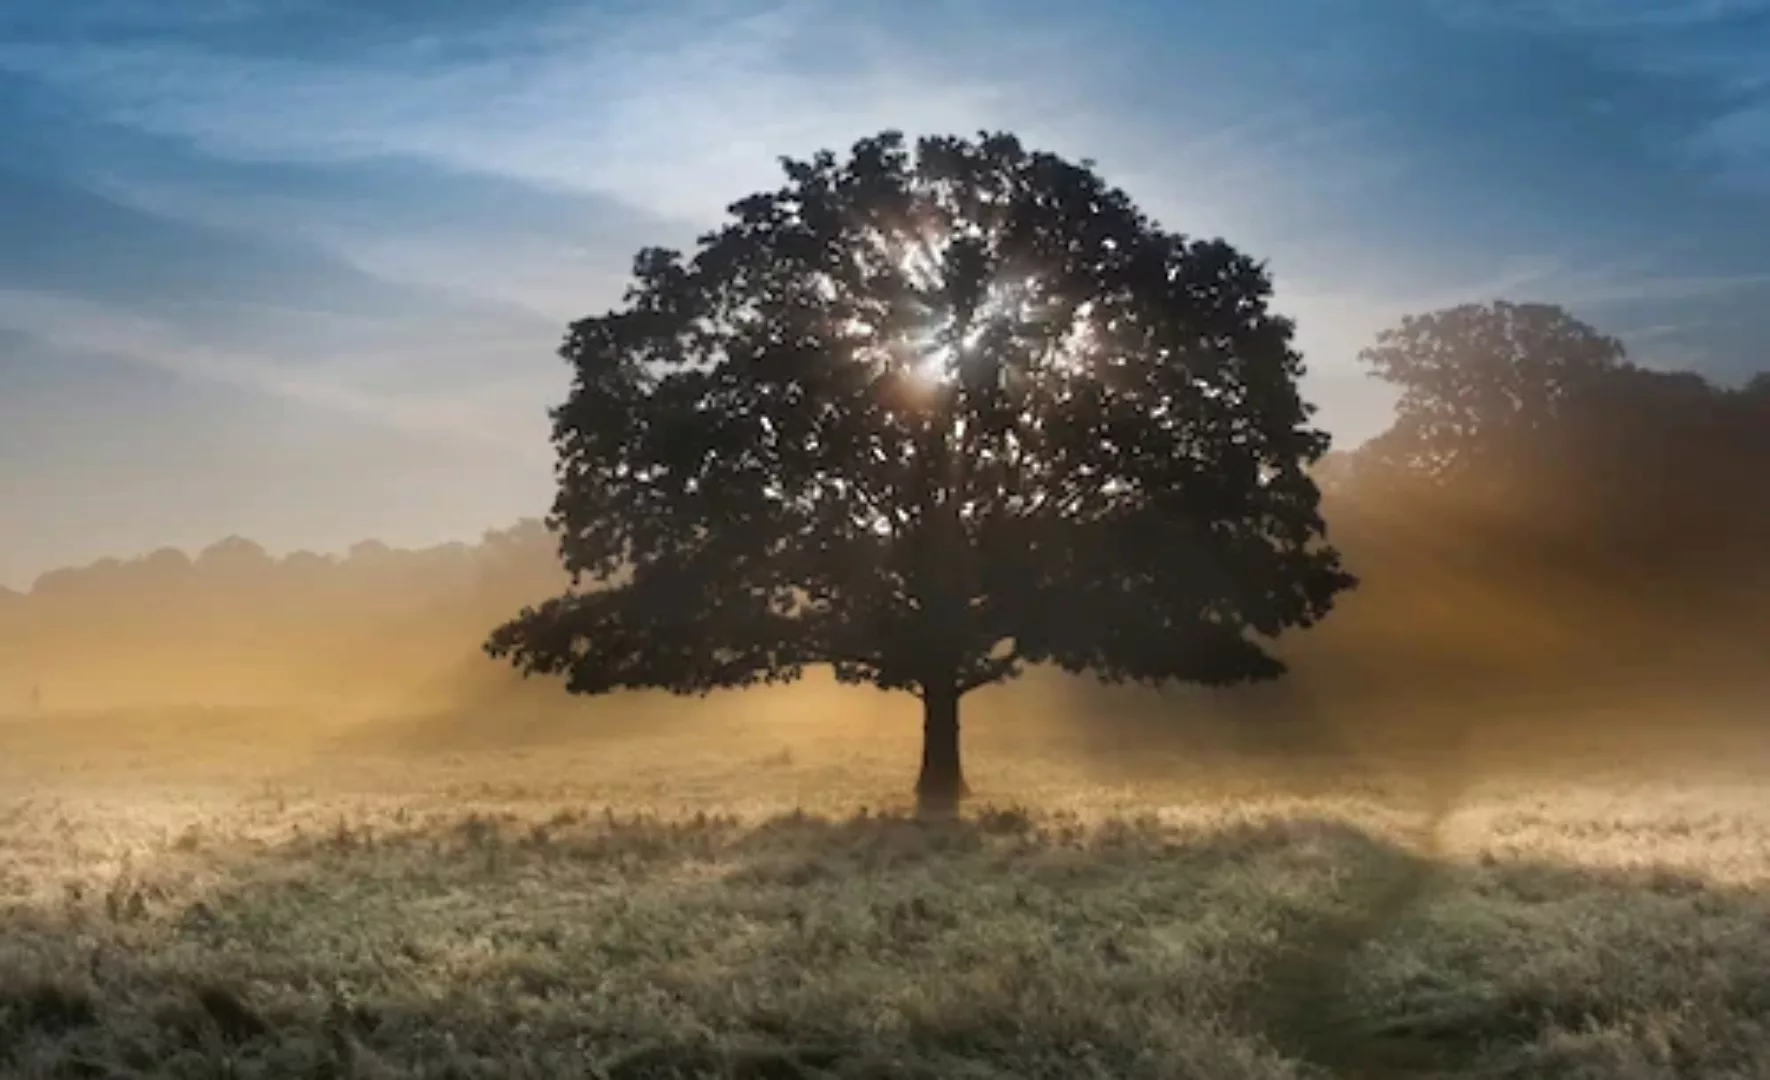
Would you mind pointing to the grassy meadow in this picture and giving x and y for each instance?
(740, 890)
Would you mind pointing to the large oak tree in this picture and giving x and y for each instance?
(928, 415)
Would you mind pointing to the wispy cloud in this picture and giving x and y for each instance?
(674, 112)
(618, 108)
(1718, 50)
(672, 115)
(74, 325)
(545, 253)
(1603, 15)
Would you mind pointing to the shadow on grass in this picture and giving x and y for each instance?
(1005, 944)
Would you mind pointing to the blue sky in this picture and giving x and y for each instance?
(296, 269)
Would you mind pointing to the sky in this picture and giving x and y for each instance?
(298, 269)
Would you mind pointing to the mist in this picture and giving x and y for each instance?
(1602, 596)
(1529, 744)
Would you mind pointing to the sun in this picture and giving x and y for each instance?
(938, 365)
(1013, 308)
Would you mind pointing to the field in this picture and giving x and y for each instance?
(209, 894)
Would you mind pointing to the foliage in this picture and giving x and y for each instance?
(927, 417)
(1480, 383)
(1540, 496)
(1538, 423)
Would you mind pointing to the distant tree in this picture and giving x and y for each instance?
(1550, 463)
(927, 416)
(12, 613)
(1481, 383)
(519, 563)
(307, 567)
(369, 553)
(71, 584)
(528, 541)
(234, 561)
(167, 563)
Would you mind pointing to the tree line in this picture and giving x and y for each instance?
(233, 624)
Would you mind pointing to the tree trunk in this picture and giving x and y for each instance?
(942, 782)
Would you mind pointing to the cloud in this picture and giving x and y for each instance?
(1602, 15)
(264, 309)
(115, 457)
(78, 326)
(530, 173)
(549, 253)
(572, 100)
(673, 112)
(1715, 53)
(1738, 141)
(1545, 279)
(57, 235)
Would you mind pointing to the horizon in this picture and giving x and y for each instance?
(297, 273)
(280, 555)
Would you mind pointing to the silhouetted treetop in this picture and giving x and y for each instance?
(1547, 456)
(1479, 382)
(923, 415)
(235, 557)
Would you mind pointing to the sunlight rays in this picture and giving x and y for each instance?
(1013, 322)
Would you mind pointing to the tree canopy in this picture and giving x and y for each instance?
(1530, 456)
(1529, 400)
(927, 415)
(1481, 383)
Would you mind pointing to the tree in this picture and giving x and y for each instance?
(1481, 382)
(1619, 500)
(928, 416)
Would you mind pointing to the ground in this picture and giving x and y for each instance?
(206, 894)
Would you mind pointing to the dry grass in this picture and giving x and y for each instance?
(206, 896)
